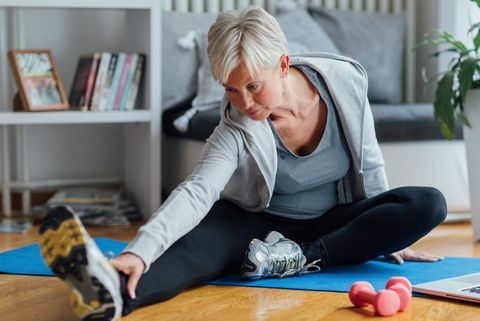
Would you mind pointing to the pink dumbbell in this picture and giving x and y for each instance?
(403, 288)
(385, 302)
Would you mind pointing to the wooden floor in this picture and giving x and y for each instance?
(28, 298)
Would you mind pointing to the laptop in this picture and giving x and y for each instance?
(465, 287)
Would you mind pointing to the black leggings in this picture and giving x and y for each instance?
(347, 233)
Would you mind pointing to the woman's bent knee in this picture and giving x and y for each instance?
(431, 204)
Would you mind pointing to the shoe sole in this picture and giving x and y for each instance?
(63, 246)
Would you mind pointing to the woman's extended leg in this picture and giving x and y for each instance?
(213, 248)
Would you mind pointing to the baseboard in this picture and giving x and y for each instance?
(458, 217)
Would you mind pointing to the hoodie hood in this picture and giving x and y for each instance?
(261, 147)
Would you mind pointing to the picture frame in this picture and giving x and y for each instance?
(38, 81)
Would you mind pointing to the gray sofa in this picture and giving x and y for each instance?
(376, 40)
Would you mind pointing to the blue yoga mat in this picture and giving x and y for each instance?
(27, 260)
(377, 272)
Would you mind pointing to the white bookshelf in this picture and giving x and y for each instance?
(74, 117)
(141, 127)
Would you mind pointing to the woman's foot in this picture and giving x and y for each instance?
(276, 256)
(73, 256)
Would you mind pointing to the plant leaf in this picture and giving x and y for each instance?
(438, 53)
(473, 27)
(457, 101)
(423, 70)
(449, 38)
(426, 42)
(477, 2)
(463, 119)
(465, 76)
(476, 41)
(446, 132)
(443, 105)
(476, 83)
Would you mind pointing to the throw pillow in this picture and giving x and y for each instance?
(301, 28)
(210, 92)
(375, 40)
(179, 65)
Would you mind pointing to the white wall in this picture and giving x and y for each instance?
(466, 14)
(427, 19)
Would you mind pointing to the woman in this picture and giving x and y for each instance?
(295, 153)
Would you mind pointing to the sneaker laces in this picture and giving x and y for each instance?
(307, 269)
(283, 267)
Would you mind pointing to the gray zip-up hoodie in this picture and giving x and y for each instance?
(239, 160)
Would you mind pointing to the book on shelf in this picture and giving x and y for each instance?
(102, 103)
(100, 80)
(123, 79)
(128, 81)
(97, 206)
(135, 84)
(107, 81)
(91, 81)
(117, 75)
(81, 80)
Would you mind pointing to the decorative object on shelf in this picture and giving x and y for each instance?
(458, 97)
(107, 81)
(39, 85)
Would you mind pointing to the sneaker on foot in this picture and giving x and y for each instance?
(74, 256)
(276, 256)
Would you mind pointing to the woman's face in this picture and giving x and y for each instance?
(256, 96)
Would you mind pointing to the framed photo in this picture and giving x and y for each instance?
(38, 82)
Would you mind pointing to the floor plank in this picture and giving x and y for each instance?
(29, 298)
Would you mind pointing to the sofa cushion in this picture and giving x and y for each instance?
(179, 66)
(408, 122)
(376, 40)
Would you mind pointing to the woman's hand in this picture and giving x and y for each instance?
(131, 265)
(408, 254)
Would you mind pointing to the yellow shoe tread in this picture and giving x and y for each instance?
(60, 242)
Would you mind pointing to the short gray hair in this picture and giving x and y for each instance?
(250, 35)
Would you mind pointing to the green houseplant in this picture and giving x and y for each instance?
(462, 75)
(457, 97)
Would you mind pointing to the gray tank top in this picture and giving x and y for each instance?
(306, 186)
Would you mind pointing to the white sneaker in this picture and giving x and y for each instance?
(74, 256)
(276, 256)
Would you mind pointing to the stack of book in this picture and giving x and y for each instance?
(97, 206)
(107, 81)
